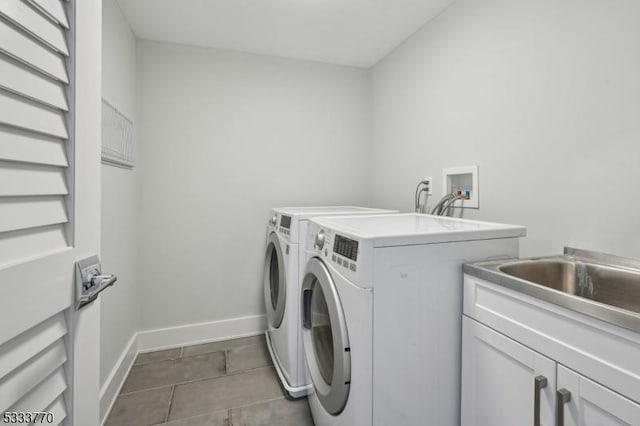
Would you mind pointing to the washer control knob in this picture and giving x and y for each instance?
(273, 220)
(320, 239)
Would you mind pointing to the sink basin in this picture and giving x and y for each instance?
(557, 274)
(610, 285)
(602, 286)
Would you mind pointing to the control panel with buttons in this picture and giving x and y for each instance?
(342, 251)
(346, 247)
(283, 230)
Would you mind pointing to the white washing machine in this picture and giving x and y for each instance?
(283, 266)
(382, 309)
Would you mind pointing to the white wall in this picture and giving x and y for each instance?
(223, 137)
(543, 95)
(119, 315)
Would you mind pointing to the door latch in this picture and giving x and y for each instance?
(90, 281)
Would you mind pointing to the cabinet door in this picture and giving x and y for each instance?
(500, 380)
(590, 404)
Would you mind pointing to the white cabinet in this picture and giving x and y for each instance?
(504, 382)
(510, 340)
(591, 404)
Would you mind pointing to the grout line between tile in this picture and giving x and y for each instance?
(230, 410)
(226, 347)
(261, 401)
(180, 383)
(145, 390)
(166, 417)
(181, 352)
(138, 362)
(222, 376)
(226, 362)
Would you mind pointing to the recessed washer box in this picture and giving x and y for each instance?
(463, 179)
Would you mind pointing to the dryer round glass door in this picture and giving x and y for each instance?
(274, 279)
(275, 285)
(325, 339)
(321, 336)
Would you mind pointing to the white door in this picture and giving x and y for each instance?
(49, 207)
(325, 338)
(587, 403)
(503, 382)
(275, 280)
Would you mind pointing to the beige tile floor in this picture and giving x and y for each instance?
(230, 383)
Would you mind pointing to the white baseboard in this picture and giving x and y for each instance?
(112, 385)
(171, 337)
(192, 334)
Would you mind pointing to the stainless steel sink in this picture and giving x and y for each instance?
(557, 274)
(603, 286)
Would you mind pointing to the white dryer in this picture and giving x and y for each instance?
(382, 309)
(283, 266)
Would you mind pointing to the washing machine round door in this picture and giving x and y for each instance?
(325, 339)
(275, 285)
